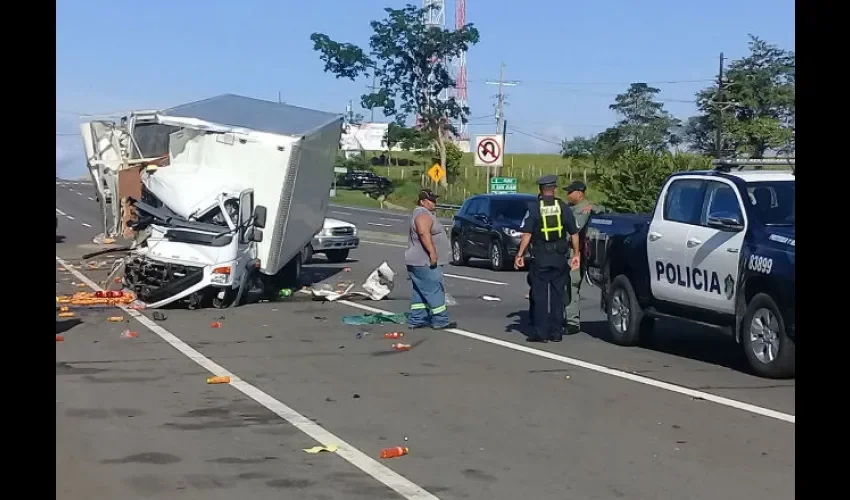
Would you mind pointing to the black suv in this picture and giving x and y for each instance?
(487, 227)
(360, 179)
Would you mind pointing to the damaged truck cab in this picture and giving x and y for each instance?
(195, 191)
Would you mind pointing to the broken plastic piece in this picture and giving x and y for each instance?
(491, 298)
(158, 316)
(394, 452)
(60, 337)
(393, 335)
(450, 301)
(127, 334)
(318, 449)
(115, 319)
(375, 319)
(215, 324)
(402, 347)
(66, 315)
(218, 380)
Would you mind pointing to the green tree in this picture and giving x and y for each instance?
(578, 147)
(452, 160)
(758, 97)
(645, 124)
(633, 184)
(409, 61)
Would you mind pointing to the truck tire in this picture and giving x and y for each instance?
(497, 256)
(459, 257)
(770, 351)
(625, 314)
(337, 255)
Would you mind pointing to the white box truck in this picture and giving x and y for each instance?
(232, 189)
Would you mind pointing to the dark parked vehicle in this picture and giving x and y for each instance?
(487, 227)
(363, 179)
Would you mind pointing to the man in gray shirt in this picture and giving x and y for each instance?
(428, 250)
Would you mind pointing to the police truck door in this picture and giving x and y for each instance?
(714, 254)
(679, 210)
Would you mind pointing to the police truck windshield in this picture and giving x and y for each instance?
(774, 202)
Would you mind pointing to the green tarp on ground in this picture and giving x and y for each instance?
(375, 319)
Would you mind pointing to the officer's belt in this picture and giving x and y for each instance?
(553, 247)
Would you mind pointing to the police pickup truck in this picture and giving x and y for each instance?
(718, 250)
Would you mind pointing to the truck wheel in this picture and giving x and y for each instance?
(307, 254)
(337, 255)
(497, 256)
(459, 258)
(624, 312)
(769, 350)
(288, 275)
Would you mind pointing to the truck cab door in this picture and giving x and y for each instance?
(679, 209)
(714, 248)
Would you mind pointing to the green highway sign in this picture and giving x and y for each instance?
(503, 185)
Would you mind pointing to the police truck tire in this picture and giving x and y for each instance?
(497, 256)
(770, 351)
(459, 257)
(625, 314)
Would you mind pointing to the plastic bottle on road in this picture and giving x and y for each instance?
(393, 335)
(394, 452)
(284, 293)
(402, 347)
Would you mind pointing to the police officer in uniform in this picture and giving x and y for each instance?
(550, 228)
(582, 210)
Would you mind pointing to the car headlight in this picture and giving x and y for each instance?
(325, 232)
(354, 231)
(511, 232)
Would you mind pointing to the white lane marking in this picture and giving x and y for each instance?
(470, 278)
(383, 244)
(340, 213)
(707, 396)
(395, 481)
(389, 218)
(60, 212)
(79, 193)
(87, 225)
(378, 224)
(69, 217)
(91, 199)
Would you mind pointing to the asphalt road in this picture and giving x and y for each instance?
(486, 416)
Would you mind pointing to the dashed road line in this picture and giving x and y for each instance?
(379, 224)
(69, 217)
(91, 199)
(85, 224)
(389, 218)
(340, 213)
(470, 278)
(61, 212)
(395, 481)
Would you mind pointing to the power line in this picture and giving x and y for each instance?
(658, 82)
(534, 136)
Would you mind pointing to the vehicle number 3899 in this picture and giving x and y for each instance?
(760, 264)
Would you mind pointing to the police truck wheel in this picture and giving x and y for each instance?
(624, 312)
(458, 256)
(769, 350)
(497, 256)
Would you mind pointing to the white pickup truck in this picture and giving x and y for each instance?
(336, 240)
(204, 179)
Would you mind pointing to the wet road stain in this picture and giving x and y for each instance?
(151, 457)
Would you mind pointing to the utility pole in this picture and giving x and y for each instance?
(719, 99)
(372, 88)
(500, 107)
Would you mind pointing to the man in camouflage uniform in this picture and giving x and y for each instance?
(582, 210)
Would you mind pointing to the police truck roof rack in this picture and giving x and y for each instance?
(726, 164)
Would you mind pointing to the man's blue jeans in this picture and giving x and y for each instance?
(428, 304)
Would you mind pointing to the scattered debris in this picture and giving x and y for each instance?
(115, 319)
(491, 298)
(64, 309)
(215, 324)
(318, 449)
(375, 319)
(284, 293)
(320, 318)
(159, 316)
(66, 315)
(450, 301)
(377, 286)
(92, 299)
(566, 377)
(356, 396)
(402, 347)
(394, 452)
(347, 269)
(218, 380)
(393, 335)
(127, 334)
(60, 337)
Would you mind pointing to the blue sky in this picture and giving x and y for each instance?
(570, 57)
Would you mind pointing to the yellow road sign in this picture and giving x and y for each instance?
(436, 172)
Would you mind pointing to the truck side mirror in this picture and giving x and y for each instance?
(725, 221)
(260, 217)
(254, 234)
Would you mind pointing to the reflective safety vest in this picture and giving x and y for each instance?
(550, 215)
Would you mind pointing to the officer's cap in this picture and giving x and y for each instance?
(576, 186)
(548, 181)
